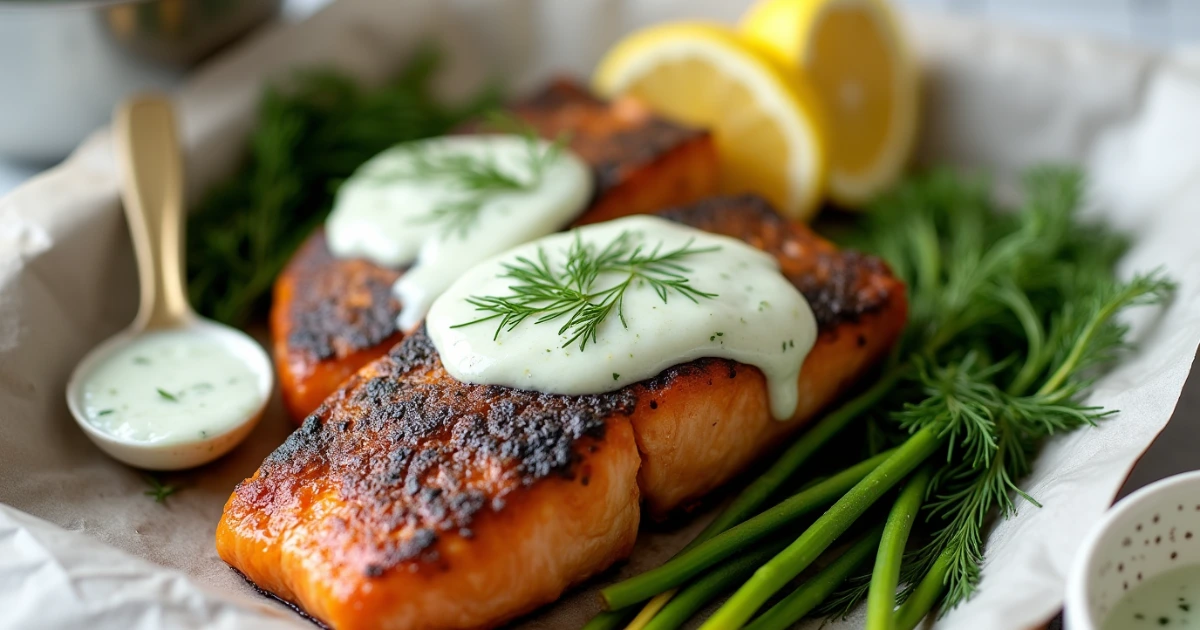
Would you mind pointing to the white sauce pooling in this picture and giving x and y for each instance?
(171, 387)
(386, 211)
(757, 317)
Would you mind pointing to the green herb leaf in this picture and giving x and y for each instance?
(158, 490)
(166, 394)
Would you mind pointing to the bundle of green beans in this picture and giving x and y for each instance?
(1012, 314)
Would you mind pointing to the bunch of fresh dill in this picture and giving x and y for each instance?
(1012, 314)
(312, 133)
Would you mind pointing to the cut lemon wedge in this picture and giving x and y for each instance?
(855, 56)
(766, 123)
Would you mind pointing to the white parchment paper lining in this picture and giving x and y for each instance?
(80, 546)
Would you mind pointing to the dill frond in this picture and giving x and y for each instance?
(572, 290)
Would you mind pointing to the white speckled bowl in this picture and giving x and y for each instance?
(1149, 532)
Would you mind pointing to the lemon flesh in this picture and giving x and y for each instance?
(767, 125)
(854, 54)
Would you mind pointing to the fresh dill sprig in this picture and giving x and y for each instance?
(587, 287)
(997, 425)
(1014, 313)
(158, 490)
(474, 178)
(312, 133)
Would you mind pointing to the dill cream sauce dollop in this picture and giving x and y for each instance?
(444, 204)
(737, 305)
(171, 387)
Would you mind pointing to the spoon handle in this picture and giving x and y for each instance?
(152, 191)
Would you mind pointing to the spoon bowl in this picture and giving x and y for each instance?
(174, 390)
(172, 454)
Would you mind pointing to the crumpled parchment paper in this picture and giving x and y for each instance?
(81, 546)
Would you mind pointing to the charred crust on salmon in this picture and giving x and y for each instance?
(840, 285)
(698, 369)
(341, 306)
(403, 440)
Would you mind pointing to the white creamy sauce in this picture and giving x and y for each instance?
(756, 317)
(170, 387)
(398, 210)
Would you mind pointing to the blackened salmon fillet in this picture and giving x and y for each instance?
(330, 316)
(410, 500)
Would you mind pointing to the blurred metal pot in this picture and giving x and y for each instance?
(64, 64)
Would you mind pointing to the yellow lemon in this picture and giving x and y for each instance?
(854, 54)
(767, 123)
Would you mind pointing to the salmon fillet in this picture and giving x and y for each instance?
(329, 316)
(410, 500)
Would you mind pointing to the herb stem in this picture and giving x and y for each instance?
(1071, 362)
(926, 594)
(929, 258)
(775, 574)
(687, 565)
(881, 598)
(812, 592)
(1035, 355)
(698, 593)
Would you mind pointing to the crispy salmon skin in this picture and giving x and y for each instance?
(330, 317)
(410, 500)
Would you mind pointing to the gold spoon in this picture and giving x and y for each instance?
(144, 133)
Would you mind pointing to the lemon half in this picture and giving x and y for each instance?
(856, 57)
(767, 123)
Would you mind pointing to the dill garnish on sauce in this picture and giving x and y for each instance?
(475, 178)
(573, 290)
